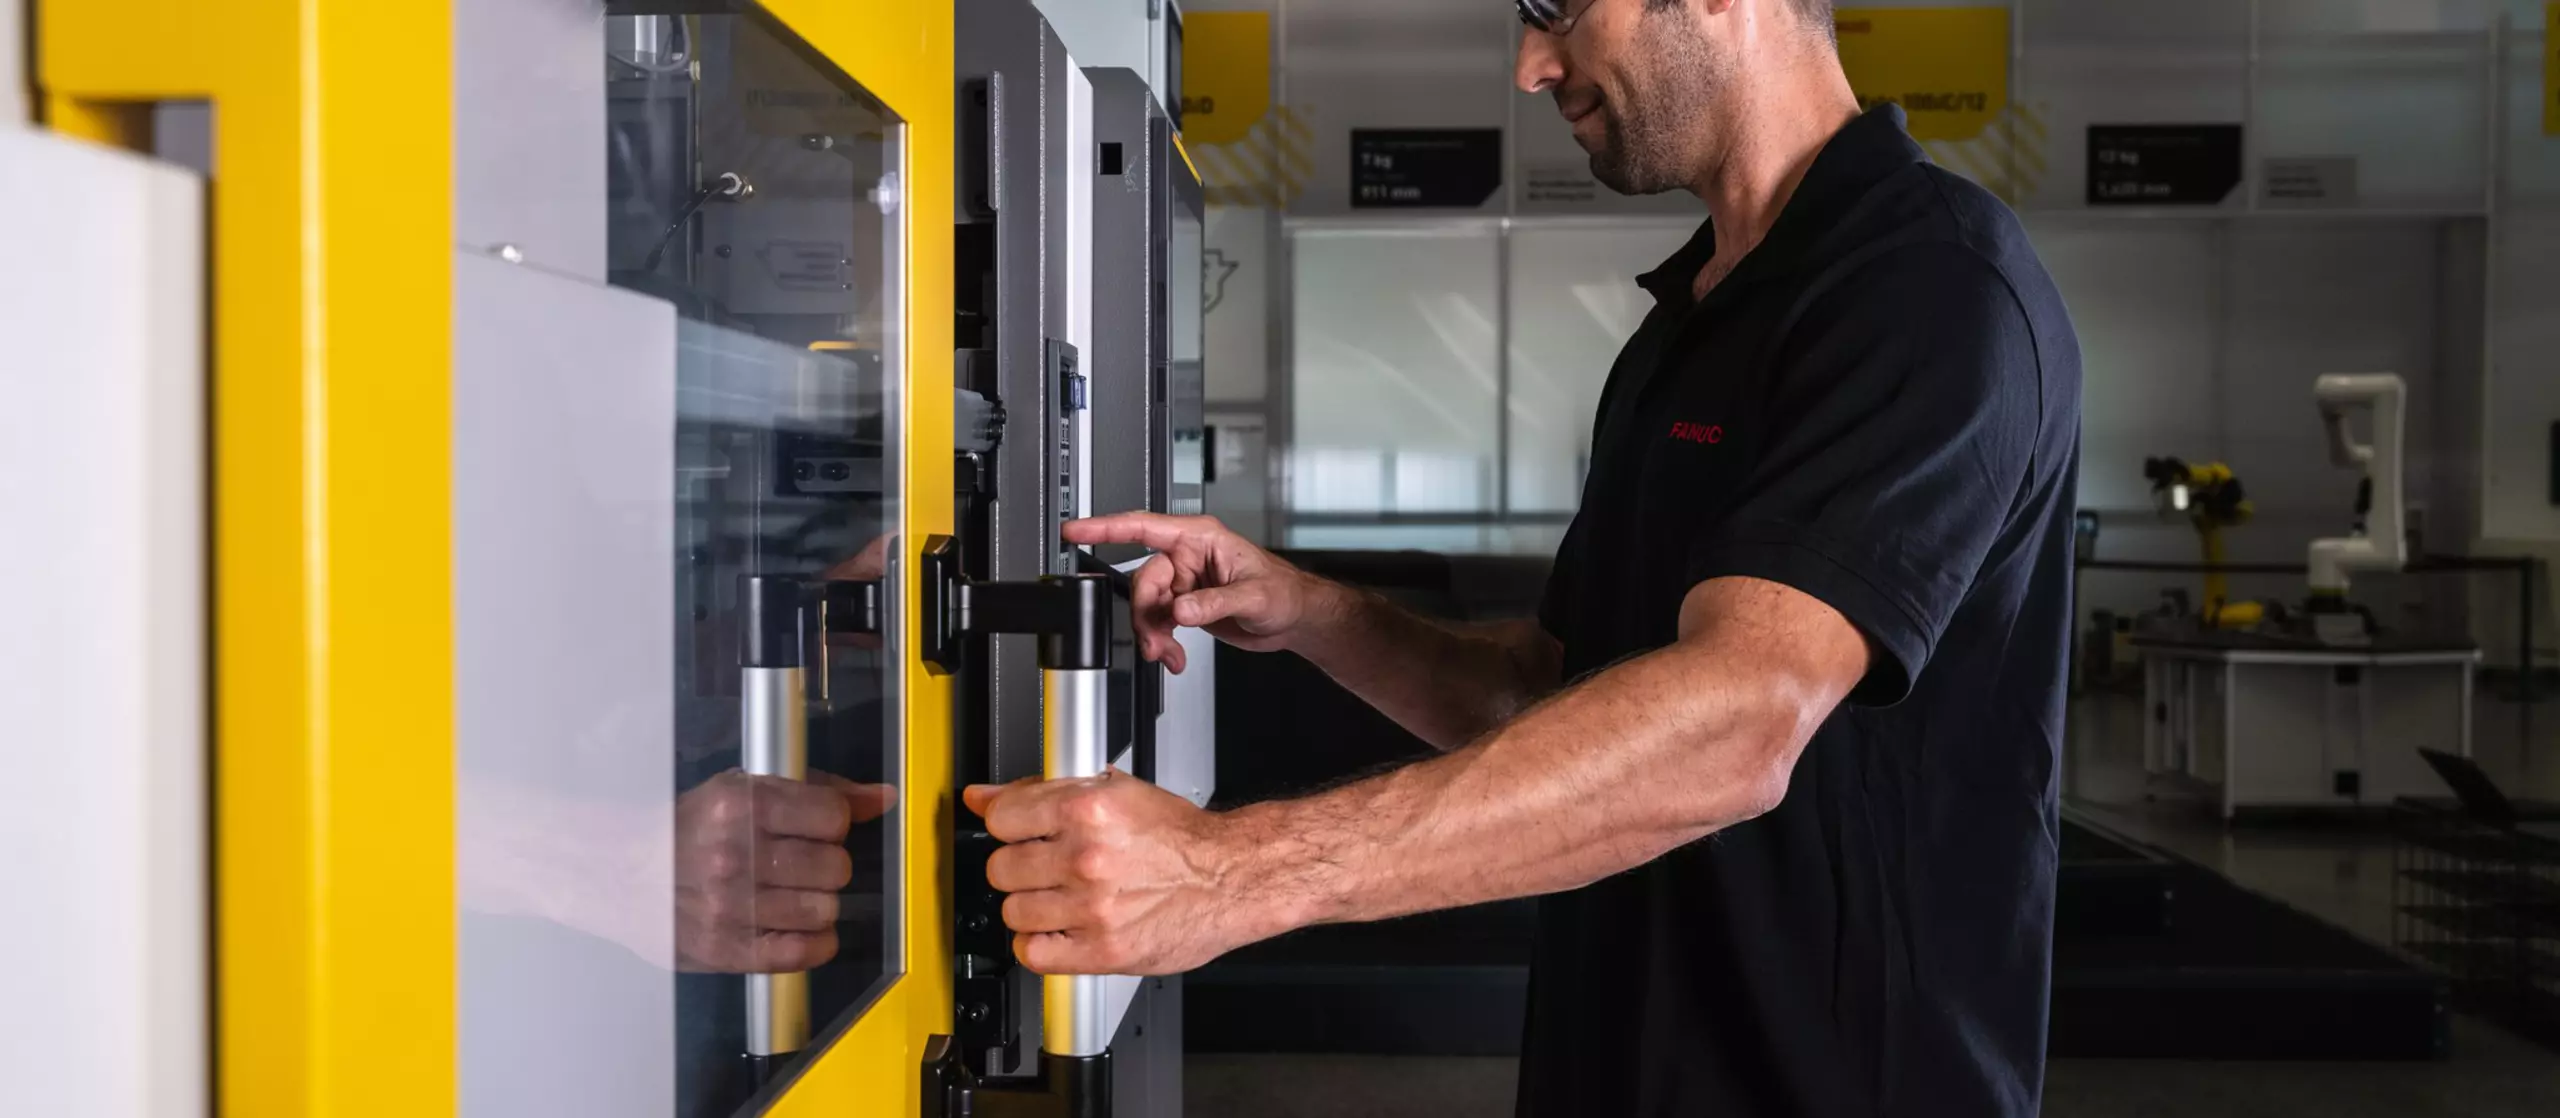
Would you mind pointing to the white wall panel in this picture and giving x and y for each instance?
(2303, 302)
(103, 1005)
(2201, 339)
(2408, 98)
(2530, 161)
(2461, 381)
(2524, 380)
(2144, 300)
(1240, 266)
(1236, 274)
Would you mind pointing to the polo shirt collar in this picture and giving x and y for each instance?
(1863, 153)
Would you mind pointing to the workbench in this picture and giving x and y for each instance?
(2279, 722)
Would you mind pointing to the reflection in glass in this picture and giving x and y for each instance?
(756, 189)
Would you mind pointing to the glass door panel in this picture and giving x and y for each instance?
(757, 189)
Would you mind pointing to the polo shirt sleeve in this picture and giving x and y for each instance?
(1898, 434)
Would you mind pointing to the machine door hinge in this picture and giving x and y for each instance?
(1071, 614)
(854, 608)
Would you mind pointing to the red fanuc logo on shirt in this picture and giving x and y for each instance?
(1697, 432)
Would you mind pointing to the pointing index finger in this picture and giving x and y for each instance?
(1146, 529)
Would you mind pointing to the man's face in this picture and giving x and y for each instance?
(1639, 84)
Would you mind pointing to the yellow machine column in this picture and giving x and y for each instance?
(581, 400)
(332, 699)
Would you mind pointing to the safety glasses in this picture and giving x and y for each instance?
(1550, 16)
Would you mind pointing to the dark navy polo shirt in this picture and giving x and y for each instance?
(1879, 407)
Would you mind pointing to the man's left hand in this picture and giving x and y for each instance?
(1110, 875)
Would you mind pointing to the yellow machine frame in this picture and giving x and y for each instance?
(331, 269)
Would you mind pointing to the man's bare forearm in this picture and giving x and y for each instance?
(1648, 756)
(1604, 777)
(1446, 683)
(1109, 875)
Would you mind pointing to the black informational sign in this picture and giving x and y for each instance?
(2163, 164)
(1403, 168)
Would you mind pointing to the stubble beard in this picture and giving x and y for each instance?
(1649, 143)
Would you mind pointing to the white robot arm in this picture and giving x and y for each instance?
(2384, 545)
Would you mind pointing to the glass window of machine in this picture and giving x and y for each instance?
(757, 189)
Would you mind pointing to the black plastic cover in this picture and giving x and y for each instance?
(770, 622)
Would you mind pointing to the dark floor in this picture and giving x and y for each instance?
(2493, 1076)
(2341, 873)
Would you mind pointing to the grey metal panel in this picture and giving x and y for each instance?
(1147, 310)
(1076, 174)
(1146, 1054)
(528, 131)
(564, 410)
(1127, 329)
(1007, 41)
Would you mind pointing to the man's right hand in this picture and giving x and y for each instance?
(1206, 577)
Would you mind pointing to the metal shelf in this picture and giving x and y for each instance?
(2490, 886)
(2486, 921)
(2487, 961)
(2486, 847)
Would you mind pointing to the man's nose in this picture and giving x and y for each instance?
(1540, 64)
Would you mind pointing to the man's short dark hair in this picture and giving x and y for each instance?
(1815, 13)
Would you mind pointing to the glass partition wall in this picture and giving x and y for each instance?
(1446, 374)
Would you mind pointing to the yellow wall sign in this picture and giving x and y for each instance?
(1247, 150)
(1226, 75)
(2551, 69)
(1947, 67)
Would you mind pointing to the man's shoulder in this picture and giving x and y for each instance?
(1960, 211)
(1925, 228)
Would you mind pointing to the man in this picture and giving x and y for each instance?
(1780, 750)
